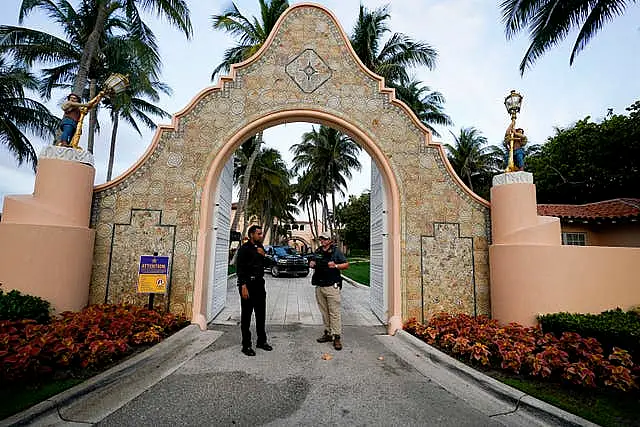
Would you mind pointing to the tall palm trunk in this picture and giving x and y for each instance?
(93, 117)
(315, 217)
(90, 48)
(112, 150)
(326, 215)
(244, 187)
(307, 206)
(244, 190)
(333, 215)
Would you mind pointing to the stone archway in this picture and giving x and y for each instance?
(306, 71)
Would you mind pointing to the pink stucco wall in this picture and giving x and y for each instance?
(527, 280)
(46, 245)
(532, 273)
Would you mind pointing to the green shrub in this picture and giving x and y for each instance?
(611, 328)
(16, 306)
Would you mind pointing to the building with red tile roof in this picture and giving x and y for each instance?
(613, 222)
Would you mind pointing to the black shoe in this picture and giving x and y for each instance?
(248, 351)
(327, 337)
(265, 347)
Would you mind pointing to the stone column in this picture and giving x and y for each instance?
(46, 245)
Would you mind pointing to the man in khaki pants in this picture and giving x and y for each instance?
(327, 263)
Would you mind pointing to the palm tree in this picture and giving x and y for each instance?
(175, 11)
(127, 55)
(425, 103)
(62, 55)
(271, 191)
(251, 35)
(19, 114)
(548, 22)
(328, 156)
(125, 52)
(393, 62)
(309, 196)
(471, 157)
(398, 54)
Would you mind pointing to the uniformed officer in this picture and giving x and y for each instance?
(253, 297)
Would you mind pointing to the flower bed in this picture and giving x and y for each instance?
(91, 338)
(528, 351)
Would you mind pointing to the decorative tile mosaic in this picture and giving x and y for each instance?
(173, 176)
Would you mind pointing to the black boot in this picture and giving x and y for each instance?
(326, 337)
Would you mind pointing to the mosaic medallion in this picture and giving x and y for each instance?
(308, 71)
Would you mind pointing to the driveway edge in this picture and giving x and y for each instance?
(521, 401)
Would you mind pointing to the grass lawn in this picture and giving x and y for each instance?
(603, 407)
(358, 271)
(18, 397)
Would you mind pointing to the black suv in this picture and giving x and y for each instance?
(285, 260)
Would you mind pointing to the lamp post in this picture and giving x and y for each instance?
(512, 102)
(113, 85)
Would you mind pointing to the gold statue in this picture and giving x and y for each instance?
(75, 111)
(514, 141)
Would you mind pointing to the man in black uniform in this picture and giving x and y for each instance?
(253, 297)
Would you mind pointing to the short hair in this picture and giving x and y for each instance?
(253, 229)
(520, 129)
(73, 94)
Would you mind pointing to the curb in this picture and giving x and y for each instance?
(354, 283)
(509, 395)
(183, 337)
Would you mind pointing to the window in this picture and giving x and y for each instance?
(574, 239)
(284, 251)
(301, 227)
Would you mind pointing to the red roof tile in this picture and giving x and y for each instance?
(616, 208)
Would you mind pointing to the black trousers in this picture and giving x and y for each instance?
(257, 303)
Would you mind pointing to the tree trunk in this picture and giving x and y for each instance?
(244, 187)
(333, 215)
(112, 150)
(311, 223)
(93, 117)
(314, 210)
(90, 49)
(326, 215)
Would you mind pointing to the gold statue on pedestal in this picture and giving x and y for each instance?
(514, 138)
(75, 111)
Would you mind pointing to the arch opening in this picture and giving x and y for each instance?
(392, 278)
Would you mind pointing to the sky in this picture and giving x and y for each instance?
(476, 69)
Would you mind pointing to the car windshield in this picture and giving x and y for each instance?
(284, 251)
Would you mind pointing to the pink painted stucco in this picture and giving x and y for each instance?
(527, 280)
(533, 273)
(46, 245)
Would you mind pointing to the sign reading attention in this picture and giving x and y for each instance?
(153, 273)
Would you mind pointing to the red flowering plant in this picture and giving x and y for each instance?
(528, 351)
(97, 335)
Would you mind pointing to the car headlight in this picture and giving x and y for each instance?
(282, 261)
(306, 261)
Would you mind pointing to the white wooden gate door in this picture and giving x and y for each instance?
(378, 248)
(219, 257)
